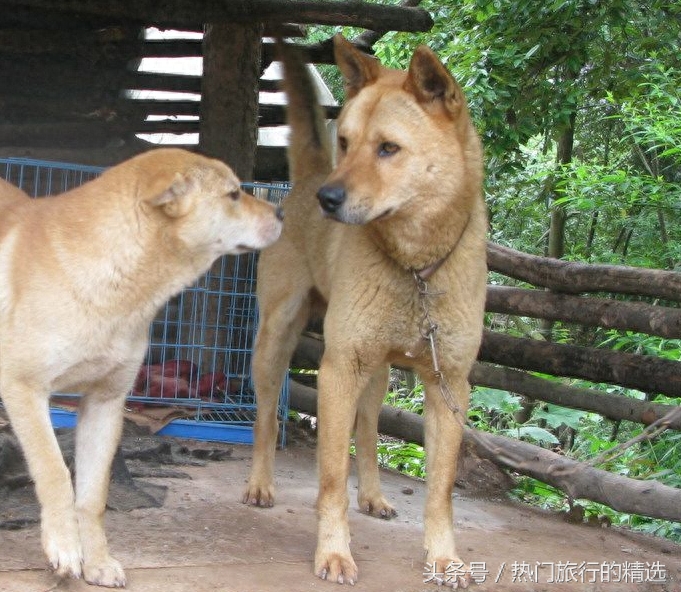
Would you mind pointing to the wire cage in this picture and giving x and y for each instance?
(199, 356)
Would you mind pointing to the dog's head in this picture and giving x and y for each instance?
(396, 133)
(199, 205)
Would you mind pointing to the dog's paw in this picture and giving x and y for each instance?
(108, 573)
(258, 495)
(377, 506)
(64, 556)
(62, 546)
(339, 568)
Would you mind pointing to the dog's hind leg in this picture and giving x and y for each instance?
(369, 497)
(282, 319)
(100, 421)
(28, 411)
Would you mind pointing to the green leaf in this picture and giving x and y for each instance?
(533, 433)
(493, 399)
(555, 416)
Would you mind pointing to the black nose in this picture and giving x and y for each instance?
(279, 213)
(331, 197)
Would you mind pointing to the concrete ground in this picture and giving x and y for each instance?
(203, 539)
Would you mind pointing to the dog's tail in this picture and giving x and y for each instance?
(309, 151)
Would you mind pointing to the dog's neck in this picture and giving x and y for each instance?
(411, 250)
(425, 273)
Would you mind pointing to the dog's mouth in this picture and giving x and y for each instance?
(383, 215)
(356, 216)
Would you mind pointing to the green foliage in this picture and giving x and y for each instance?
(406, 457)
(555, 417)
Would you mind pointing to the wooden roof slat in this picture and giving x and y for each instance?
(190, 13)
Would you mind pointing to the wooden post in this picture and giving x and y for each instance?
(228, 127)
(228, 130)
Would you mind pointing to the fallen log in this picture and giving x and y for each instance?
(576, 479)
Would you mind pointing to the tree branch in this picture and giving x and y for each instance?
(649, 433)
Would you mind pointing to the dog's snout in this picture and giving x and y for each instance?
(331, 197)
(279, 213)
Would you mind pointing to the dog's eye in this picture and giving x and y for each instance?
(343, 144)
(388, 149)
(234, 195)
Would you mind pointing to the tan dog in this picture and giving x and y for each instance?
(407, 190)
(81, 277)
(10, 193)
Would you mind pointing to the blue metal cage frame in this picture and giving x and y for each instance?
(200, 343)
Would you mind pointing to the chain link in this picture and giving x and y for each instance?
(428, 330)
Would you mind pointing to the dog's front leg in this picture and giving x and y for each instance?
(443, 435)
(99, 429)
(340, 383)
(28, 411)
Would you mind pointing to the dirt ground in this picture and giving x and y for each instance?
(200, 538)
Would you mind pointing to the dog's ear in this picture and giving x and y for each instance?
(430, 82)
(358, 69)
(176, 199)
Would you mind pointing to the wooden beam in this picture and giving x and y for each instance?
(646, 318)
(572, 277)
(317, 53)
(229, 111)
(192, 13)
(83, 41)
(61, 135)
(267, 114)
(610, 405)
(646, 373)
(188, 83)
